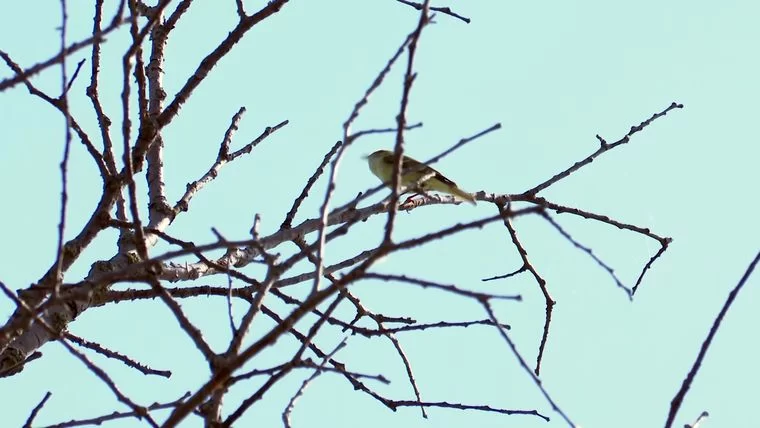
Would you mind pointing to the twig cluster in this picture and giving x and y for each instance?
(46, 309)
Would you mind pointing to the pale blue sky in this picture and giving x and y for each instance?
(554, 74)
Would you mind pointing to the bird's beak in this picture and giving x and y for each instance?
(365, 157)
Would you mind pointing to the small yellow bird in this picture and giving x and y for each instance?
(381, 164)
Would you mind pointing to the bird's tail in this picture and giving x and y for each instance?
(461, 194)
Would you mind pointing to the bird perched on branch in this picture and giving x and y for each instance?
(415, 176)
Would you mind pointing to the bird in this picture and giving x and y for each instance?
(381, 164)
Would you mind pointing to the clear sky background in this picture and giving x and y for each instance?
(554, 74)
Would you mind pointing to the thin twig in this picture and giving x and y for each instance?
(445, 287)
(104, 123)
(373, 131)
(287, 223)
(304, 364)
(590, 252)
(443, 10)
(74, 76)
(480, 407)
(647, 266)
(524, 365)
(64, 100)
(37, 409)
(129, 362)
(223, 158)
(701, 418)
(230, 313)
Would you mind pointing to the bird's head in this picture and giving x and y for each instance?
(378, 154)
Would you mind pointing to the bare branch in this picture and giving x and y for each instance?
(60, 106)
(604, 147)
(675, 403)
(292, 403)
(74, 47)
(211, 60)
(506, 213)
(240, 9)
(97, 371)
(305, 364)
(104, 123)
(398, 149)
(117, 415)
(258, 268)
(64, 101)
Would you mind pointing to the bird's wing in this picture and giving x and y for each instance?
(409, 164)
